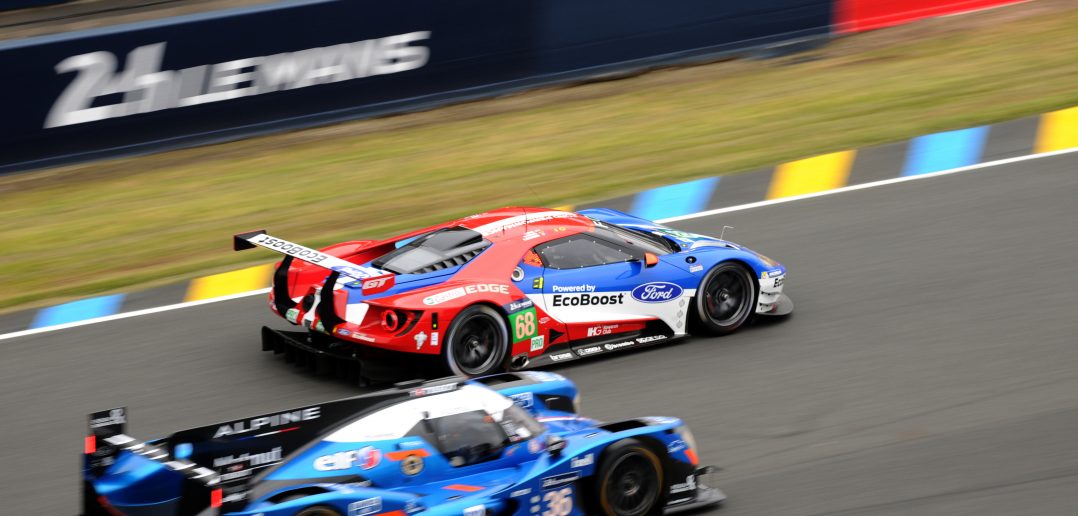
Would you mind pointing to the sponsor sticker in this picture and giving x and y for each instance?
(560, 480)
(420, 338)
(582, 462)
(476, 510)
(657, 292)
(558, 357)
(458, 292)
(271, 421)
(537, 343)
(435, 389)
(588, 299)
(249, 459)
(377, 284)
(688, 485)
(292, 315)
(365, 507)
(591, 350)
(606, 329)
(618, 345)
(572, 288)
(524, 399)
(116, 416)
(433, 339)
(696, 268)
(676, 445)
(366, 458)
(518, 305)
(650, 338)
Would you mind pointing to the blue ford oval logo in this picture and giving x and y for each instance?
(657, 292)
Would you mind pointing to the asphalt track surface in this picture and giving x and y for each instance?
(930, 367)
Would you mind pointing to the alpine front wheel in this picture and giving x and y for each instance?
(629, 481)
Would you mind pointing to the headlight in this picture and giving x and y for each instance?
(768, 261)
(690, 444)
(686, 435)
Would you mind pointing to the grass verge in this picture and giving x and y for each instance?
(112, 225)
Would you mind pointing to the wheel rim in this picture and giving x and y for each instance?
(726, 297)
(633, 485)
(476, 346)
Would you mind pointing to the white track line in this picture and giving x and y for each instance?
(136, 313)
(697, 215)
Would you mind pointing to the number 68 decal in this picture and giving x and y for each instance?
(558, 503)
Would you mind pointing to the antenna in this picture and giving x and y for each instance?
(535, 201)
(535, 198)
(724, 228)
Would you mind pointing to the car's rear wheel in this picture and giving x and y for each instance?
(319, 510)
(629, 481)
(477, 342)
(726, 298)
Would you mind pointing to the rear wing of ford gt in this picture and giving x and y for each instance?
(373, 280)
(260, 238)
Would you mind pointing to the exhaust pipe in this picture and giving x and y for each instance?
(519, 362)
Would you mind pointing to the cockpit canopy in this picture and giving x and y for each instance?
(468, 425)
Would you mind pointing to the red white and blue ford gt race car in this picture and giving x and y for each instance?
(513, 288)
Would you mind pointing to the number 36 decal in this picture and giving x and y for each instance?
(558, 503)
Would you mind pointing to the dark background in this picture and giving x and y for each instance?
(477, 47)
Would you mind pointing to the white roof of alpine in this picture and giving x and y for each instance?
(395, 421)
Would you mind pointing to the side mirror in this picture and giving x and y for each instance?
(650, 260)
(555, 445)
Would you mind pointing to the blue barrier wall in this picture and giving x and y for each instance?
(6, 5)
(235, 73)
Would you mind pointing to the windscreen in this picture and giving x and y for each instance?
(643, 241)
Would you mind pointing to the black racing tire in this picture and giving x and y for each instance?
(477, 342)
(726, 299)
(629, 481)
(319, 510)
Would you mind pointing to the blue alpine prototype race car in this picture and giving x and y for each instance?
(509, 444)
